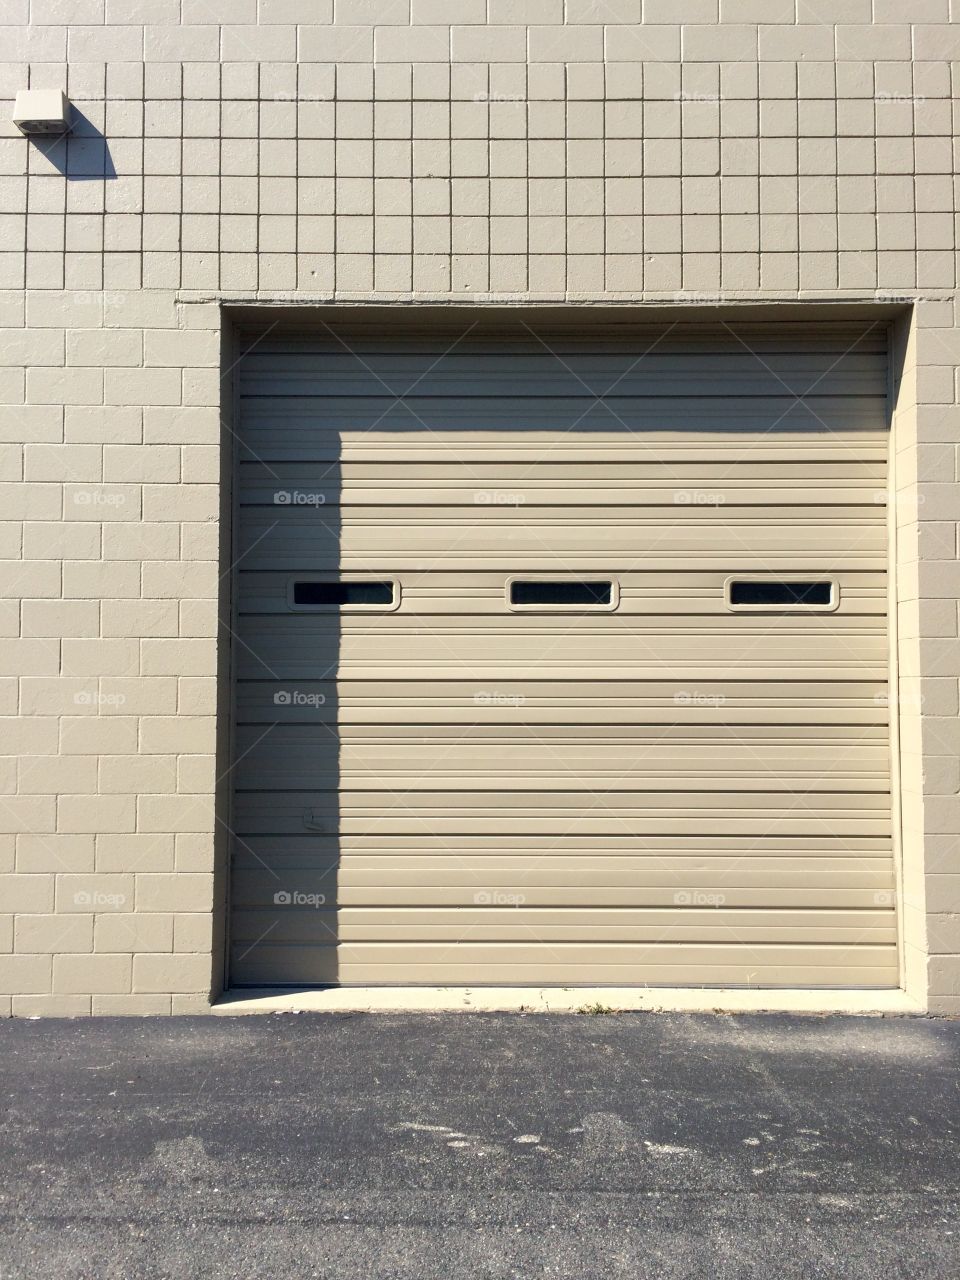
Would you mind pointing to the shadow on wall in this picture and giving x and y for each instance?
(82, 155)
(287, 739)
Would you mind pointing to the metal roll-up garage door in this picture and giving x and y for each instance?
(561, 657)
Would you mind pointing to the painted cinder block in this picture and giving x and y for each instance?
(174, 974)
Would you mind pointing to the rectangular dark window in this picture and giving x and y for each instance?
(571, 593)
(777, 594)
(340, 593)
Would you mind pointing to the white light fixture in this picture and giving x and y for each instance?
(42, 111)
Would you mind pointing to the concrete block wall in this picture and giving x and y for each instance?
(926, 507)
(108, 683)
(298, 150)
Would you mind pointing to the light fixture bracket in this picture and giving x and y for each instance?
(42, 112)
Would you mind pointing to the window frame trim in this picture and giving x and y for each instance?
(798, 607)
(611, 607)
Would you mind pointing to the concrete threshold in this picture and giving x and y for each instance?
(560, 1000)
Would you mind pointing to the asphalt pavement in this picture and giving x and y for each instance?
(454, 1146)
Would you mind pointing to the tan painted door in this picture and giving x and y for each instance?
(563, 659)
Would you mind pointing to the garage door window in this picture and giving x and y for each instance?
(812, 595)
(601, 594)
(330, 596)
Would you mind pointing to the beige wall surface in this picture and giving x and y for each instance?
(694, 151)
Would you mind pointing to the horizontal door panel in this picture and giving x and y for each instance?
(634, 470)
(390, 654)
(301, 442)
(499, 330)
(285, 760)
(520, 925)
(703, 849)
(637, 779)
(684, 520)
(649, 964)
(731, 372)
(746, 813)
(550, 883)
(379, 416)
(675, 740)
(586, 702)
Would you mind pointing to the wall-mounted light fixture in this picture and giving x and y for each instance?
(42, 111)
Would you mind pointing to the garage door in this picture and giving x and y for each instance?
(563, 659)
